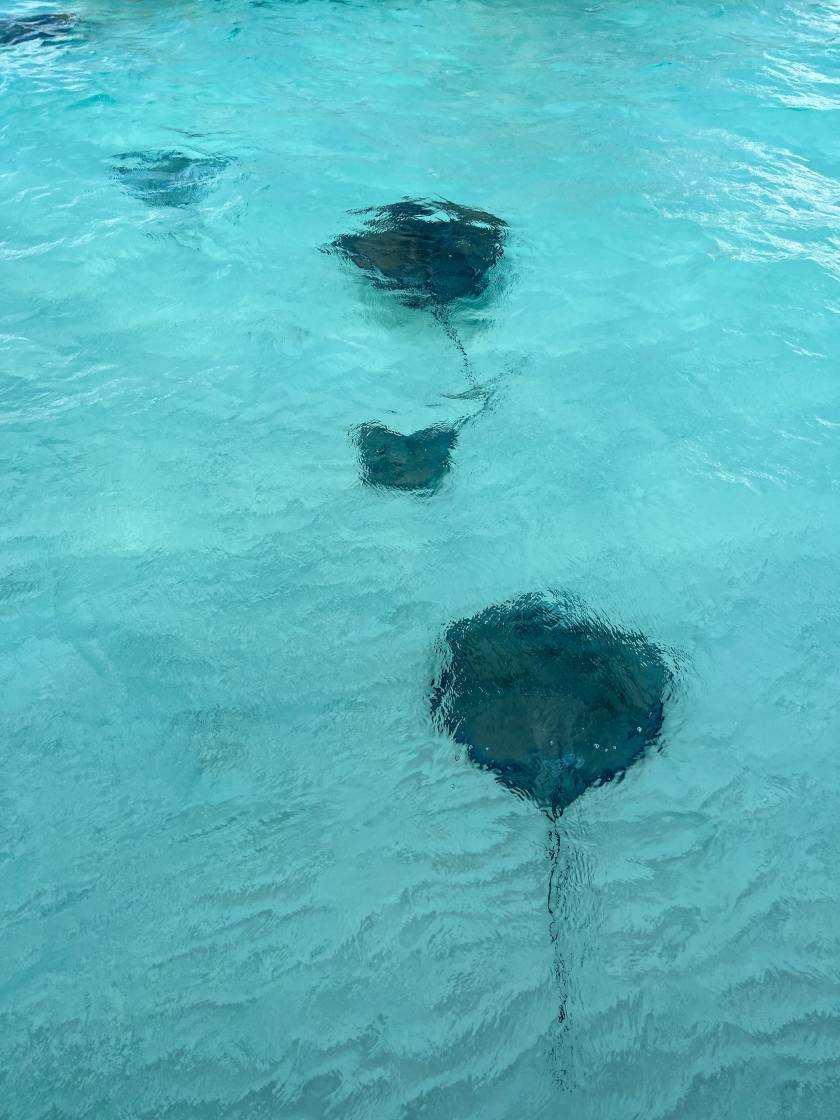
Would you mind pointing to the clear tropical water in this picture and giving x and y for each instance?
(242, 876)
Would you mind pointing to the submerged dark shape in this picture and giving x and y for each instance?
(550, 699)
(429, 252)
(43, 26)
(418, 461)
(168, 178)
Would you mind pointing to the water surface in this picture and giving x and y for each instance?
(243, 878)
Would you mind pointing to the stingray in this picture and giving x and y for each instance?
(429, 253)
(168, 178)
(553, 701)
(394, 461)
(42, 27)
(550, 699)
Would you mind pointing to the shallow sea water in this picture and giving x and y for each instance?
(243, 878)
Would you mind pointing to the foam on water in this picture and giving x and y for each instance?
(242, 875)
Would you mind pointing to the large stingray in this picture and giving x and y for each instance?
(550, 699)
(168, 178)
(430, 253)
(553, 701)
(394, 461)
(41, 27)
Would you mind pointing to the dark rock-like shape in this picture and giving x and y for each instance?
(428, 252)
(398, 462)
(550, 699)
(43, 27)
(168, 178)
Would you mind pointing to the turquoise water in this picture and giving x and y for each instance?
(243, 878)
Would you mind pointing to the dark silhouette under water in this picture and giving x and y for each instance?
(39, 27)
(394, 461)
(548, 698)
(430, 253)
(553, 701)
(168, 178)
(418, 461)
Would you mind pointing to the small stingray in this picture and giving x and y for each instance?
(394, 461)
(168, 178)
(429, 253)
(43, 27)
(552, 701)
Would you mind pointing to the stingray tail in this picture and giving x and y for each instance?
(441, 313)
(559, 871)
(558, 876)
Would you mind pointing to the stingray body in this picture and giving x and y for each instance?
(42, 27)
(429, 253)
(395, 461)
(549, 699)
(168, 178)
